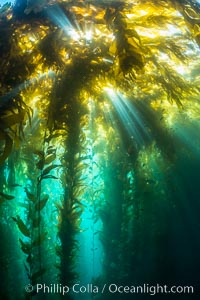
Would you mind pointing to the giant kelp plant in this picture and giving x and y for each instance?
(99, 146)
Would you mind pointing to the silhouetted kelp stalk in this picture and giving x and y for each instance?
(110, 210)
(32, 226)
(138, 61)
(8, 251)
(70, 209)
(150, 216)
(93, 196)
(117, 216)
(66, 113)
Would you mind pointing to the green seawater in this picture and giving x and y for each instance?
(99, 150)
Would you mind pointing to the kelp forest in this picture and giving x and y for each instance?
(99, 149)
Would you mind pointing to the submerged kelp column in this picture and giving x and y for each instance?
(99, 153)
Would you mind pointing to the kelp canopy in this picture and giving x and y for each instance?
(99, 144)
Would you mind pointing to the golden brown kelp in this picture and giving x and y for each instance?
(14, 112)
(130, 50)
(127, 48)
(141, 51)
(11, 125)
(191, 13)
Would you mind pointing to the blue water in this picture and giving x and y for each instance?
(2, 2)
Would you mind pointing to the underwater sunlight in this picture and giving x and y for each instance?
(99, 149)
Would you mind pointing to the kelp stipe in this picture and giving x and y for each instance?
(8, 251)
(32, 227)
(99, 143)
(69, 118)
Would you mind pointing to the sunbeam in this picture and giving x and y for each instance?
(99, 148)
(57, 15)
(129, 117)
(32, 81)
